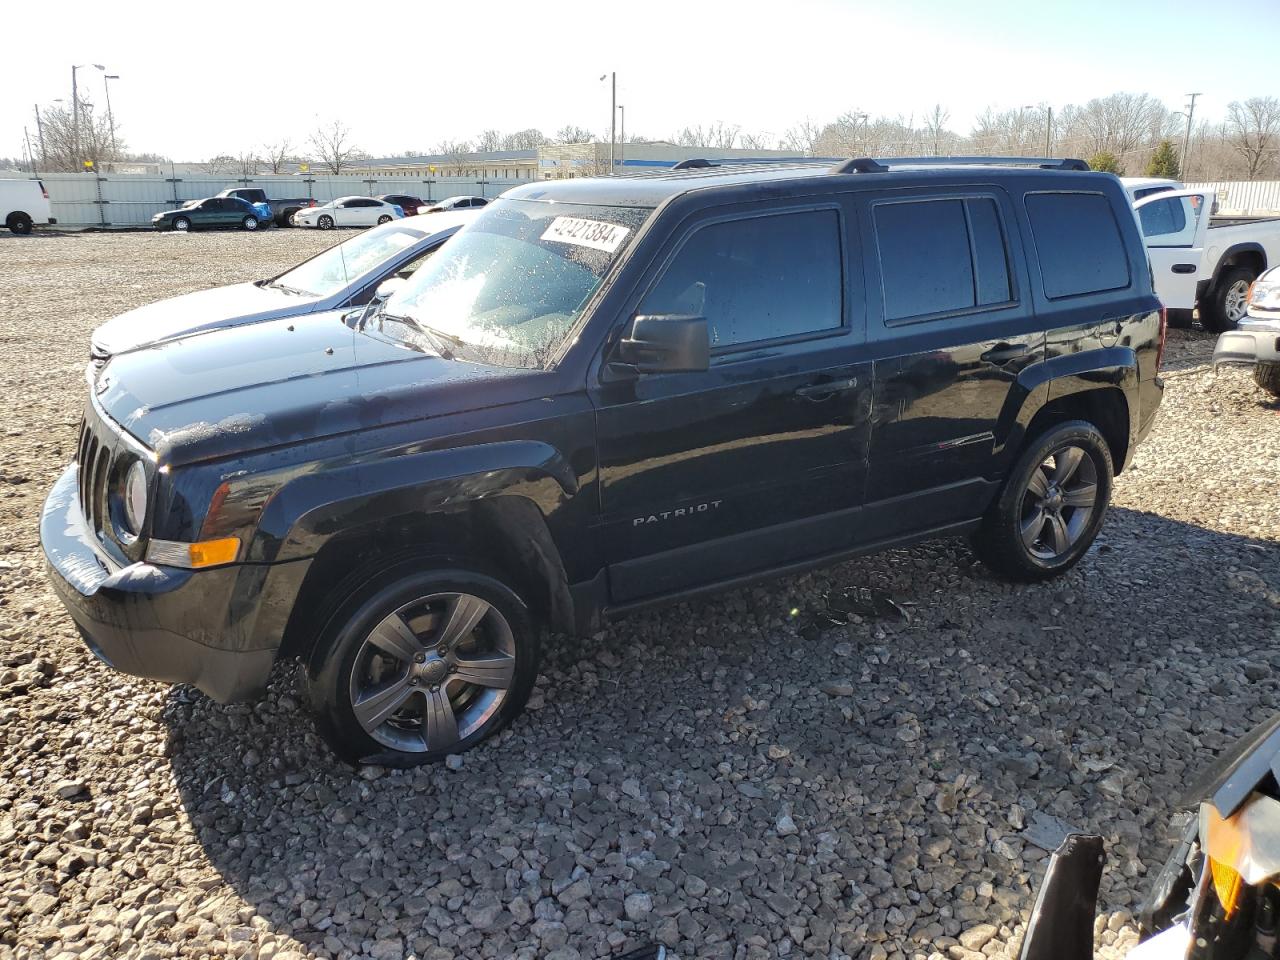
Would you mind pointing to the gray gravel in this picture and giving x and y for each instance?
(741, 777)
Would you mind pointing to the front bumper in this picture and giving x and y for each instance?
(162, 623)
(1247, 347)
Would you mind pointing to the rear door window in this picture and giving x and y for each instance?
(941, 255)
(1171, 222)
(1079, 243)
(756, 279)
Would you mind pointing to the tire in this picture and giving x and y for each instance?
(1267, 376)
(383, 219)
(285, 219)
(1017, 545)
(20, 224)
(325, 222)
(249, 223)
(367, 718)
(1226, 301)
(181, 224)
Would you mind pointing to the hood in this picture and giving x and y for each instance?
(280, 382)
(196, 313)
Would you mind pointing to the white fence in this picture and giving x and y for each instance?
(1250, 198)
(130, 200)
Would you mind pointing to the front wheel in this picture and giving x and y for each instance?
(1267, 376)
(325, 222)
(423, 666)
(249, 223)
(1228, 301)
(181, 224)
(1051, 506)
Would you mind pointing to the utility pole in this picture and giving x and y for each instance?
(1048, 133)
(44, 157)
(613, 119)
(111, 120)
(622, 144)
(75, 121)
(30, 153)
(1186, 141)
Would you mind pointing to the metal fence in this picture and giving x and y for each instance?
(130, 200)
(1249, 198)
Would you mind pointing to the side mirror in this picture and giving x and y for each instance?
(388, 286)
(666, 344)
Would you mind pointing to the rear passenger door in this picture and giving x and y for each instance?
(950, 327)
(761, 459)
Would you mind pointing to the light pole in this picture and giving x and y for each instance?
(44, 157)
(106, 87)
(613, 115)
(75, 106)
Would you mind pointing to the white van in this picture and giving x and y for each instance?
(23, 204)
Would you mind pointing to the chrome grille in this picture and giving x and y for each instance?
(94, 456)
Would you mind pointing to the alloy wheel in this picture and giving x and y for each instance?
(181, 225)
(1059, 503)
(433, 672)
(1235, 303)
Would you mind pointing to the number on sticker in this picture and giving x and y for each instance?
(586, 233)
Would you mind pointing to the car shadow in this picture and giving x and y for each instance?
(672, 745)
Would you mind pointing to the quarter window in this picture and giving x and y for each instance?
(1079, 243)
(760, 278)
(1171, 222)
(941, 256)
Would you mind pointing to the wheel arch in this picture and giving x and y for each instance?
(1251, 255)
(1106, 407)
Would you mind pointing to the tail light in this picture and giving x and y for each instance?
(1164, 334)
(43, 192)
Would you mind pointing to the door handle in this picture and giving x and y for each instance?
(1004, 352)
(821, 391)
(1183, 268)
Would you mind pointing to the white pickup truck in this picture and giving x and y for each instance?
(1204, 262)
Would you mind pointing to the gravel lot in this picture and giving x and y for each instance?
(742, 777)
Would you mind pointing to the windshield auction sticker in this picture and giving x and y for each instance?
(586, 233)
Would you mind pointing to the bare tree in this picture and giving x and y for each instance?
(247, 164)
(68, 144)
(1253, 127)
(718, 135)
(489, 140)
(802, 136)
(332, 144)
(935, 126)
(528, 139)
(455, 154)
(278, 155)
(221, 163)
(755, 141)
(572, 134)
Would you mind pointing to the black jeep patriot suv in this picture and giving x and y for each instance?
(599, 395)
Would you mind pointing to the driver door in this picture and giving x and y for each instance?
(1175, 227)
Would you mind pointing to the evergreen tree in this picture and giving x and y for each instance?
(1106, 162)
(1164, 162)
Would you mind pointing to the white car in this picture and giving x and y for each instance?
(348, 212)
(453, 203)
(23, 205)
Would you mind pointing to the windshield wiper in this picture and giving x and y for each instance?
(288, 289)
(443, 343)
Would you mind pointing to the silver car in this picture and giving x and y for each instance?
(346, 275)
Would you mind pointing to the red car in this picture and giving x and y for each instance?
(405, 202)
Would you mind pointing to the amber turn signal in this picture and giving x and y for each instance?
(194, 556)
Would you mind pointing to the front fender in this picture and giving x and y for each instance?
(313, 506)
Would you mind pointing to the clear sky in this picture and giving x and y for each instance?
(202, 79)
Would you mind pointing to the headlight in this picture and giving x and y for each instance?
(1265, 295)
(135, 497)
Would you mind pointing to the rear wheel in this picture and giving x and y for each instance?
(181, 224)
(1051, 506)
(1267, 376)
(325, 222)
(423, 665)
(285, 217)
(249, 223)
(20, 224)
(1228, 299)
(383, 219)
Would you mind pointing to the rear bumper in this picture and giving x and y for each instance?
(162, 623)
(1247, 347)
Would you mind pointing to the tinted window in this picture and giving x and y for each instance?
(1148, 191)
(1172, 222)
(925, 262)
(757, 279)
(1079, 243)
(990, 260)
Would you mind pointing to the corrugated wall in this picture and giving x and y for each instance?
(1250, 198)
(130, 200)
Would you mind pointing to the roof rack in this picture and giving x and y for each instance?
(694, 163)
(868, 165)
